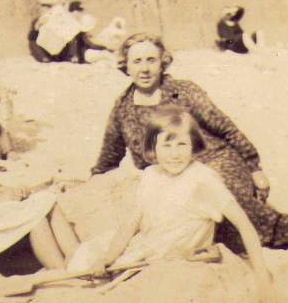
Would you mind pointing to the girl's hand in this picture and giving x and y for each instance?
(98, 268)
(265, 289)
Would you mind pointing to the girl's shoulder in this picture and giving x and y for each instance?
(148, 181)
(205, 173)
(150, 171)
(195, 168)
(153, 176)
(195, 171)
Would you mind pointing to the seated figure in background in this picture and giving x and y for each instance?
(110, 38)
(232, 37)
(6, 113)
(59, 33)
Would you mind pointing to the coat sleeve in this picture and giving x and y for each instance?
(114, 147)
(219, 125)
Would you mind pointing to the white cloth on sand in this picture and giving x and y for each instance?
(18, 218)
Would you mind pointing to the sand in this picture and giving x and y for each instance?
(64, 107)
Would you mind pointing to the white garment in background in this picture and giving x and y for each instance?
(59, 27)
(178, 213)
(18, 218)
(112, 35)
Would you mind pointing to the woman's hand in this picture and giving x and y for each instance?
(260, 180)
(262, 185)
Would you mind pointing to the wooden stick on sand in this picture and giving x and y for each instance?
(17, 285)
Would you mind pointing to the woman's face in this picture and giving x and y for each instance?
(144, 65)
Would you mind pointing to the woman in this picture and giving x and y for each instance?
(145, 59)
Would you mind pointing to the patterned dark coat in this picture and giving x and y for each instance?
(228, 151)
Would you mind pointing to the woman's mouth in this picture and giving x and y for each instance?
(145, 78)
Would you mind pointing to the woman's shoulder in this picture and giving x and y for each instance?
(126, 93)
(181, 85)
(122, 98)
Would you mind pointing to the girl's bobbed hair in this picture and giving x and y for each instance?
(166, 57)
(167, 118)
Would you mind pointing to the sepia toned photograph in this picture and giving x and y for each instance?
(143, 148)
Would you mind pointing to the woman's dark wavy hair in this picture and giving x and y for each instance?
(166, 57)
(164, 118)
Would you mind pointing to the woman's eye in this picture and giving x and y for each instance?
(182, 143)
(136, 61)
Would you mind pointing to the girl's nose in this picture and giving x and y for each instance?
(174, 152)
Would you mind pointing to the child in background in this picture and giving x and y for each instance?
(60, 32)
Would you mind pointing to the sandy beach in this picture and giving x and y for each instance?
(64, 108)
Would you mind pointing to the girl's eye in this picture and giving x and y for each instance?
(151, 60)
(136, 61)
(182, 143)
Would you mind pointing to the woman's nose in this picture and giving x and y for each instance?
(144, 67)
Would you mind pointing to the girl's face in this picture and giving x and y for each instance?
(174, 151)
(144, 65)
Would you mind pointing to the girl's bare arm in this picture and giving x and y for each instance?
(122, 237)
(235, 214)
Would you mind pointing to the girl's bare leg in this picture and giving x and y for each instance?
(45, 246)
(63, 232)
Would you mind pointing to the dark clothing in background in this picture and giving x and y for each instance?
(40, 54)
(73, 51)
(231, 37)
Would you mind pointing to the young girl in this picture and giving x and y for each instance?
(178, 202)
